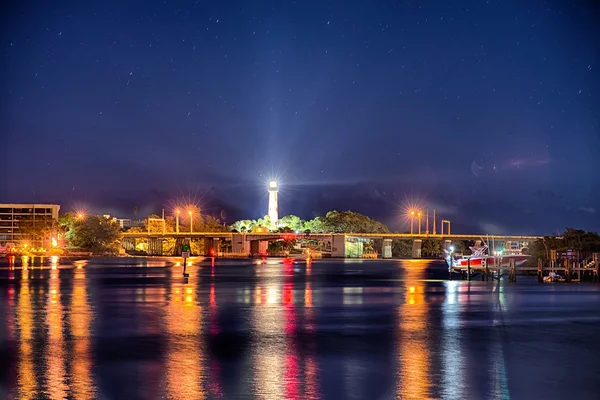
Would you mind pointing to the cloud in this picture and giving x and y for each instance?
(590, 210)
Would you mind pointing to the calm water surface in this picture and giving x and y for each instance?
(275, 329)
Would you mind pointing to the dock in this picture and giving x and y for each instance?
(564, 270)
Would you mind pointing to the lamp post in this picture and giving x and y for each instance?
(191, 222)
(177, 221)
(419, 215)
(412, 216)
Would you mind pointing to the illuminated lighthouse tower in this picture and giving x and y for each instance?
(273, 211)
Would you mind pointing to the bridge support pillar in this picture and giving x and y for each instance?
(387, 248)
(128, 244)
(258, 247)
(155, 246)
(338, 245)
(416, 248)
(211, 247)
(239, 244)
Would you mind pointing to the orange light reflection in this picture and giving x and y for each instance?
(185, 356)
(55, 369)
(413, 342)
(82, 384)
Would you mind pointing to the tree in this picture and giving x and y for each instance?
(37, 232)
(431, 248)
(351, 222)
(244, 225)
(315, 225)
(572, 239)
(292, 222)
(402, 248)
(212, 224)
(92, 233)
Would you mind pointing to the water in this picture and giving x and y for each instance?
(134, 329)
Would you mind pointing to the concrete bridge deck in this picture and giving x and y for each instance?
(327, 236)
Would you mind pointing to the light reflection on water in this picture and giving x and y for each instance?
(55, 352)
(413, 339)
(277, 330)
(185, 350)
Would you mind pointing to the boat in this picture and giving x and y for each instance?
(480, 259)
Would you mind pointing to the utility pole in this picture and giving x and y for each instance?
(434, 221)
(163, 220)
(427, 222)
(177, 221)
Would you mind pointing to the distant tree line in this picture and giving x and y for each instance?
(571, 239)
(343, 222)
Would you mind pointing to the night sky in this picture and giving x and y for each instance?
(487, 111)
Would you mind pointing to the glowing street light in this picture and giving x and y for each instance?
(191, 222)
(412, 216)
(177, 221)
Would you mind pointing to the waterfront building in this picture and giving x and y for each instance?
(33, 224)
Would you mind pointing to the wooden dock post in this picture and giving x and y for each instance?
(540, 270)
(513, 271)
(469, 268)
(568, 270)
(597, 271)
(487, 270)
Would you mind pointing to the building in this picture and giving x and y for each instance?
(124, 223)
(24, 223)
(273, 210)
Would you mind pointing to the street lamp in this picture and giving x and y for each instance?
(177, 221)
(419, 215)
(191, 222)
(412, 216)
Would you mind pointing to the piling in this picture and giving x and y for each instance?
(512, 271)
(540, 272)
(568, 270)
(469, 268)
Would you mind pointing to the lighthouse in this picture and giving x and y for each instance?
(273, 210)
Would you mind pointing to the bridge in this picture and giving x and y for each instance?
(342, 244)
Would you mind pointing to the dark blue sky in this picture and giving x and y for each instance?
(486, 110)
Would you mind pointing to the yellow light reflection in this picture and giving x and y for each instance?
(185, 355)
(55, 352)
(80, 318)
(413, 341)
(26, 380)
